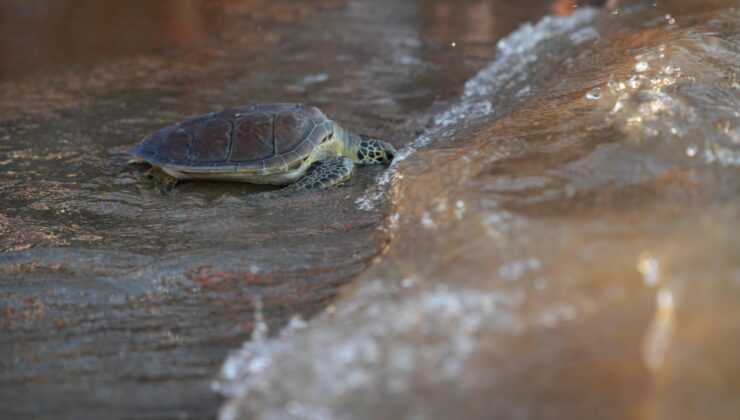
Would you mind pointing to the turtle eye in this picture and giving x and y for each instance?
(389, 155)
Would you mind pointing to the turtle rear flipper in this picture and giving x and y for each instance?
(325, 173)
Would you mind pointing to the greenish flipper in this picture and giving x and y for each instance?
(325, 173)
(162, 180)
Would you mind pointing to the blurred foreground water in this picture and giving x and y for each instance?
(558, 238)
(565, 242)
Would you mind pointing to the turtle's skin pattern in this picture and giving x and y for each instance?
(326, 172)
(263, 144)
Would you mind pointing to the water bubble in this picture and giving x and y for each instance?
(649, 268)
(644, 57)
(408, 282)
(619, 104)
(665, 299)
(634, 121)
(641, 66)
(295, 409)
(315, 78)
(557, 314)
(584, 35)
(661, 47)
(441, 206)
(459, 209)
(594, 94)
(670, 19)
(615, 86)
(709, 157)
(427, 221)
(260, 330)
(691, 151)
(515, 269)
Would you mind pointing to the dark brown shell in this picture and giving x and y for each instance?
(260, 137)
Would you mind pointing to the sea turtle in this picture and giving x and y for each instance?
(277, 143)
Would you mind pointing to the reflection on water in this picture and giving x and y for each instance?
(44, 34)
(565, 242)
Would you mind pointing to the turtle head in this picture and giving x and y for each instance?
(373, 151)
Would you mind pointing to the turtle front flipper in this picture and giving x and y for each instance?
(325, 173)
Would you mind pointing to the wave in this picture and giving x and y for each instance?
(545, 242)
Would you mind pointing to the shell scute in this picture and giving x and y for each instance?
(212, 142)
(277, 162)
(293, 159)
(177, 146)
(151, 143)
(314, 114)
(291, 129)
(252, 138)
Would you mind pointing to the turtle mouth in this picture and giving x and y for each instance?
(389, 155)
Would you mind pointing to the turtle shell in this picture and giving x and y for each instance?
(266, 137)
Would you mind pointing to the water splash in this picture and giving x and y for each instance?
(514, 53)
(594, 94)
(652, 101)
(472, 316)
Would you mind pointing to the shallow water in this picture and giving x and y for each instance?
(557, 240)
(564, 242)
(117, 299)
